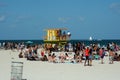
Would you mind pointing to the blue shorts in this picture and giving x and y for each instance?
(90, 57)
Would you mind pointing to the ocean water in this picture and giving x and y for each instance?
(86, 42)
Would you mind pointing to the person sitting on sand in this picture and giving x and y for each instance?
(20, 55)
(62, 57)
(116, 57)
(77, 56)
(66, 56)
(81, 56)
(54, 58)
(119, 57)
(50, 58)
(31, 55)
(34, 52)
(44, 58)
(26, 52)
(42, 53)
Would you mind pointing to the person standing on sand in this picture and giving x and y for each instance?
(90, 56)
(111, 56)
(87, 56)
(102, 54)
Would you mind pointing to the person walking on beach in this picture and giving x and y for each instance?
(87, 56)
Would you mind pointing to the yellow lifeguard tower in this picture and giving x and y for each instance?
(56, 35)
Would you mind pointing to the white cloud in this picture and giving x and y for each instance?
(22, 18)
(63, 19)
(2, 4)
(66, 19)
(13, 26)
(2, 18)
(82, 19)
(115, 7)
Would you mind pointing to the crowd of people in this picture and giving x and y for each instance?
(72, 53)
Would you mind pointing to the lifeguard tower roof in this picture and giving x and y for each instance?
(55, 29)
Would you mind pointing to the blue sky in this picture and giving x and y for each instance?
(26, 19)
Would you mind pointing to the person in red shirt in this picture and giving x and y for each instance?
(42, 53)
(87, 56)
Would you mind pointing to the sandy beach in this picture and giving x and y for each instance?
(37, 70)
(59, 39)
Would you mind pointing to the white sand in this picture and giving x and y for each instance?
(37, 70)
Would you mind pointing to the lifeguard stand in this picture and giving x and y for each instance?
(56, 35)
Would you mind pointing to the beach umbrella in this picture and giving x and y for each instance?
(29, 42)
